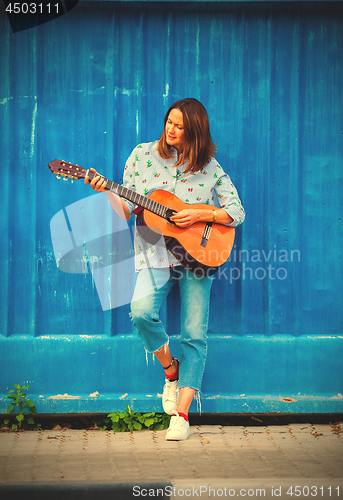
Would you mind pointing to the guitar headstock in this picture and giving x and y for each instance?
(65, 169)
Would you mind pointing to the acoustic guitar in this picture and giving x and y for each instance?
(201, 248)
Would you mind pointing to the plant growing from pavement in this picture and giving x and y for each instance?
(21, 406)
(130, 421)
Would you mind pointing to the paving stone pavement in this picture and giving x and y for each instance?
(230, 458)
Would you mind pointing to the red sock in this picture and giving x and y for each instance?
(183, 415)
(175, 375)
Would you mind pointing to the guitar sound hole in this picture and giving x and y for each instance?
(169, 213)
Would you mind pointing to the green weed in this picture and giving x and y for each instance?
(130, 421)
(21, 406)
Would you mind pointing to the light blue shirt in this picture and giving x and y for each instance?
(146, 171)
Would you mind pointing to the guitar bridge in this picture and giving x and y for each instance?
(206, 234)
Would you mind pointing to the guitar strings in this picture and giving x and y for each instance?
(138, 199)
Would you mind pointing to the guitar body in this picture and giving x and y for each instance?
(201, 256)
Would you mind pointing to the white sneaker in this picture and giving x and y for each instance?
(171, 396)
(178, 429)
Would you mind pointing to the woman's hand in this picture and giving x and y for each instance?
(187, 217)
(98, 183)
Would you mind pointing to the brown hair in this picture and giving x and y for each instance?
(199, 148)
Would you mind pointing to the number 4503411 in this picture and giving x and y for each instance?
(32, 8)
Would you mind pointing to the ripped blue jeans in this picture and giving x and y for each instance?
(195, 301)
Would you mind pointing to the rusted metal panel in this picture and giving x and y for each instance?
(90, 85)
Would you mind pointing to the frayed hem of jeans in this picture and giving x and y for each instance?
(163, 346)
(197, 396)
(153, 352)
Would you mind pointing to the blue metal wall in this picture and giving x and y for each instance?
(90, 85)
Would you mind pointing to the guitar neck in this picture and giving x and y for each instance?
(130, 195)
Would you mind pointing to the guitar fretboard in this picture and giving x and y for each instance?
(134, 197)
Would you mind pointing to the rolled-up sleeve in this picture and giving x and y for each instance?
(227, 198)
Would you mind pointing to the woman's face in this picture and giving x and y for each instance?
(175, 133)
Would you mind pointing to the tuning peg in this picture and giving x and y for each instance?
(72, 181)
(65, 179)
(58, 176)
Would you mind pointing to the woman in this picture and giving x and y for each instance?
(181, 162)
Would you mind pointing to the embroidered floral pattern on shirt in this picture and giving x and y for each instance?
(211, 186)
